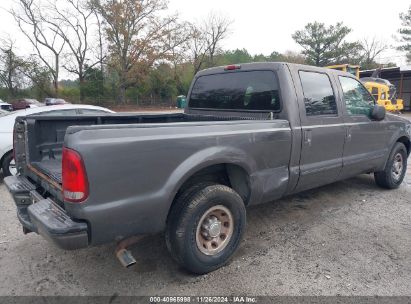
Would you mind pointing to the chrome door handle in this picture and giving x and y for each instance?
(307, 137)
(348, 134)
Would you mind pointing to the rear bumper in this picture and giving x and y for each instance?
(45, 217)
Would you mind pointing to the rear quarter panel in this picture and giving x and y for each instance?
(134, 171)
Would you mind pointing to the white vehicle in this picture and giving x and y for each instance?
(7, 123)
(4, 106)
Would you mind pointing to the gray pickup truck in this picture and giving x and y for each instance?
(250, 134)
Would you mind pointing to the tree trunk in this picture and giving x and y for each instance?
(56, 75)
(81, 83)
(10, 73)
(123, 84)
(122, 94)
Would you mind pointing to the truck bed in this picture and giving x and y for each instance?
(47, 133)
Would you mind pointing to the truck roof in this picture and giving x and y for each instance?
(266, 66)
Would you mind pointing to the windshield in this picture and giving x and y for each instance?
(254, 90)
(6, 107)
(352, 71)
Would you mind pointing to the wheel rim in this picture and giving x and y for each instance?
(214, 230)
(12, 167)
(397, 167)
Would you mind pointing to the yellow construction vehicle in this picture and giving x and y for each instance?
(384, 92)
(350, 68)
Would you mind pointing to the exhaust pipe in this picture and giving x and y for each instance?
(125, 257)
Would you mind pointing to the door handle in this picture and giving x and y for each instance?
(348, 134)
(307, 137)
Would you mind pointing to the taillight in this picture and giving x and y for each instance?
(232, 67)
(75, 184)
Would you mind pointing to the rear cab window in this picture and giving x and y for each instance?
(248, 90)
(319, 98)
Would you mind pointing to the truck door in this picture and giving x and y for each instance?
(367, 141)
(323, 129)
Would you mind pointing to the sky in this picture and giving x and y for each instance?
(263, 26)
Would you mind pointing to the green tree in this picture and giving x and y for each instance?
(39, 75)
(93, 84)
(275, 56)
(324, 45)
(405, 33)
(162, 82)
(234, 56)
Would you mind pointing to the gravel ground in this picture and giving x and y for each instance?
(348, 238)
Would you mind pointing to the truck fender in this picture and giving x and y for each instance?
(401, 133)
(203, 159)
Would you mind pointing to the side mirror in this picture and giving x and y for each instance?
(378, 113)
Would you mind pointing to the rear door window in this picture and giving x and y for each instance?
(319, 96)
(254, 90)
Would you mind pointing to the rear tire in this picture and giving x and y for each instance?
(7, 165)
(205, 227)
(393, 174)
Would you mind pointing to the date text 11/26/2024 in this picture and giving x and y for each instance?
(203, 299)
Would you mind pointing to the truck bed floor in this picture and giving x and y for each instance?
(50, 167)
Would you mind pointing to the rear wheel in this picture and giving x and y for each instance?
(9, 165)
(205, 227)
(395, 169)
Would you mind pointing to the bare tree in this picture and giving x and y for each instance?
(101, 54)
(293, 57)
(371, 49)
(178, 43)
(72, 22)
(217, 28)
(32, 22)
(198, 47)
(137, 37)
(206, 39)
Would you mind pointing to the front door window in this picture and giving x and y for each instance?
(358, 101)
